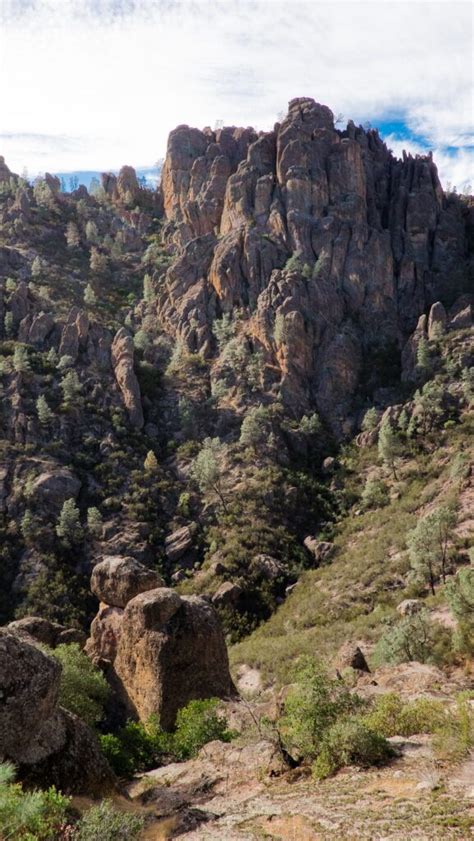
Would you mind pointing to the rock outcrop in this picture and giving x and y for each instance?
(49, 744)
(158, 650)
(171, 650)
(46, 632)
(122, 362)
(116, 580)
(372, 242)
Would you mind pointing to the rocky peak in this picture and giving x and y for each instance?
(375, 236)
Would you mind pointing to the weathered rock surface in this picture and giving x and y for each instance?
(50, 745)
(122, 362)
(321, 550)
(179, 546)
(105, 633)
(53, 487)
(436, 320)
(350, 656)
(170, 651)
(375, 236)
(47, 632)
(408, 607)
(116, 580)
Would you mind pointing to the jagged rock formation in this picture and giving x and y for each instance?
(122, 363)
(374, 240)
(162, 650)
(50, 745)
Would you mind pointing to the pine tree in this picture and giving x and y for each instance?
(73, 239)
(28, 525)
(71, 388)
(151, 462)
(8, 324)
(95, 522)
(389, 446)
(91, 231)
(90, 298)
(148, 292)
(423, 357)
(98, 262)
(21, 362)
(45, 415)
(69, 527)
(370, 419)
(207, 468)
(428, 544)
(36, 268)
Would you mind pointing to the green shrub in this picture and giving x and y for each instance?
(196, 724)
(312, 707)
(104, 823)
(350, 742)
(83, 689)
(375, 494)
(454, 740)
(414, 638)
(29, 815)
(460, 595)
(139, 747)
(390, 716)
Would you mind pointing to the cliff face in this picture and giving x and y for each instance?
(271, 277)
(321, 232)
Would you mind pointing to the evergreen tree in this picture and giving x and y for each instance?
(151, 462)
(98, 262)
(460, 595)
(21, 362)
(403, 421)
(91, 231)
(207, 468)
(8, 324)
(73, 239)
(28, 526)
(36, 268)
(95, 522)
(90, 298)
(69, 527)
(255, 427)
(71, 388)
(370, 419)
(389, 446)
(428, 545)
(148, 292)
(423, 357)
(45, 415)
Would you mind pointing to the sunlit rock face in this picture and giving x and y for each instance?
(373, 241)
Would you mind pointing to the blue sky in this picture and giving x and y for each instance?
(94, 84)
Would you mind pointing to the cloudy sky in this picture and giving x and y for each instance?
(94, 84)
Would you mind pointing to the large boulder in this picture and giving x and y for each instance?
(52, 487)
(179, 546)
(171, 650)
(47, 632)
(49, 745)
(116, 580)
(29, 687)
(75, 765)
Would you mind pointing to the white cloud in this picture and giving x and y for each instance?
(115, 76)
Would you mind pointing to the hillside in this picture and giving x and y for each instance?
(232, 401)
